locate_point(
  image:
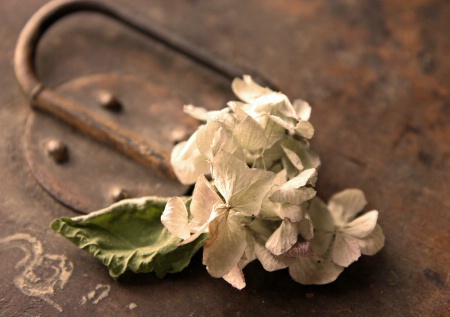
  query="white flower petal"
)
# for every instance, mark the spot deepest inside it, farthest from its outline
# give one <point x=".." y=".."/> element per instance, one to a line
<point x="294" y="213"/>
<point x="308" y="176"/>
<point x="345" y="250"/>
<point x="292" y="195"/>
<point x="283" y="238"/>
<point x="314" y="270"/>
<point x="293" y="158"/>
<point x="303" y="109"/>
<point x="362" y="225"/>
<point x="247" y="90"/>
<point x="187" y="162"/>
<point x="373" y="242"/>
<point x="235" y="277"/>
<point x="304" y="129"/>
<point x="175" y="218"/>
<point x="308" y="158"/>
<point x="346" y="204"/>
<point x="198" y="113"/>
<point x="286" y="125"/>
<point x="203" y="200"/>
<point x="241" y="187"/>
<point x="249" y="134"/>
<point x="269" y="261"/>
<point x="210" y="139"/>
<point x="226" y="244"/>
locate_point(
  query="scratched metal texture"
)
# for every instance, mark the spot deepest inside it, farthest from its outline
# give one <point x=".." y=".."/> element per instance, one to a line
<point x="377" y="76"/>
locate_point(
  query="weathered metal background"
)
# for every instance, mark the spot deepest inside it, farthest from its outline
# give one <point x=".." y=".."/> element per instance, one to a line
<point x="377" y="75"/>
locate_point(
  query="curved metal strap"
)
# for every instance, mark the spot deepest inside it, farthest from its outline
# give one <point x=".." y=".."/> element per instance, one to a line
<point x="45" y="99"/>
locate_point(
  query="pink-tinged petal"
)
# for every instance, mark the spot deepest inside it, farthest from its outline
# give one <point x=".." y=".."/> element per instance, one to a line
<point x="225" y="246"/>
<point x="345" y="205"/>
<point x="269" y="261"/>
<point x="175" y="218"/>
<point x="247" y="90"/>
<point x="300" y="248"/>
<point x="235" y="277"/>
<point x="345" y="250"/>
<point x="283" y="238"/>
<point x="203" y="200"/>
<point x="363" y="225"/>
<point x="373" y="242"/>
<point x="314" y="270"/>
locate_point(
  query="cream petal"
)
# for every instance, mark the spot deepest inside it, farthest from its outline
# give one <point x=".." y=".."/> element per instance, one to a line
<point x="305" y="129"/>
<point x="373" y="243"/>
<point x="249" y="134"/>
<point x="346" y="204"/>
<point x="302" y="109"/>
<point x="175" y="218"/>
<point x="363" y="225"/>
<point x="286" y="125"/>
<point x="292" y="195"/>
<point x="345" y="250"/>
<point x="235" y="277"/>
<point x="294" y="213"/>
<point x="203" y="200"/>
<point x="247" y="90"/>
<point x="308" y="158"/>
<point x="283" y="238"/>
<point x="314" y="270"/>
<point x="187" y="162"/>
<point x="269" y="261"/>
<point x="241" y="187"/>
<point x="211" y="138"/>
<point x="198" y="113"/>
<point x="307" y="176"/>
<point x="226" y="245"/>
<point x="293" y="158"/>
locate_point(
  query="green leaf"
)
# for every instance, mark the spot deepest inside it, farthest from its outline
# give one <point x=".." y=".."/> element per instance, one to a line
<point x="129" y="235"/>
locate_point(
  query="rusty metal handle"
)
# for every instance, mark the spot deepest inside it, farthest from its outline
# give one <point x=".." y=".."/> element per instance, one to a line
<point x="43" y="98"/>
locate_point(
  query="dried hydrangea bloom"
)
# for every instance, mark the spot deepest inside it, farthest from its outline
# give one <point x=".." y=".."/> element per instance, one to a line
<point x="221" y="209"/>
<point x="340" y="237"/>
<point x="261" y="201"/>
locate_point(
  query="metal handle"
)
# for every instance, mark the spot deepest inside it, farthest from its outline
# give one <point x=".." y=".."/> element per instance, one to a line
<point x="43" y="98"/>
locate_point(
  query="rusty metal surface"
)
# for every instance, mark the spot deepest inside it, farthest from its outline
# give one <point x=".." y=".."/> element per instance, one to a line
<point x="148" y="110"/>
<point x="377" y="74"/>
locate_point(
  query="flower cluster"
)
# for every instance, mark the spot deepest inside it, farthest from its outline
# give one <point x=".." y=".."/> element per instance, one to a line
<point x="254" y="175"/>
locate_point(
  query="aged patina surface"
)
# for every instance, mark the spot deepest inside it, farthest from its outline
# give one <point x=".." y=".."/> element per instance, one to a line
<point x="377" y="75"/>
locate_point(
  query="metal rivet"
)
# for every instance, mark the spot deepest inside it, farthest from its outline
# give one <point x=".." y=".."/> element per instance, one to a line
<point x="119" y="194"/>
<point x="109" y="101"/>
<point x="58" y="151"/>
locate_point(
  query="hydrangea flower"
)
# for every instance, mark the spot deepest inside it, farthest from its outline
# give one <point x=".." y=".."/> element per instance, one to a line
<point x="254" y="175"/>
<point x="340" y="237"/>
